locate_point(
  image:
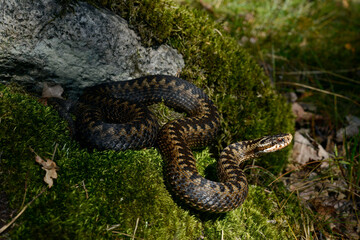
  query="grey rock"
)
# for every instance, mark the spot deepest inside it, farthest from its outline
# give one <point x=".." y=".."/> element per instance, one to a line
<point x="82" y="48"/>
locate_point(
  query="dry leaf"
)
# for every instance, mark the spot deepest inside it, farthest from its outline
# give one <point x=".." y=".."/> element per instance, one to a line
<point x="52" y="91"/>
<point x="325" y="212"/>
<point x="50" y="167"/>
<point x="300" y="113"/>
<point x="304" y="151"/>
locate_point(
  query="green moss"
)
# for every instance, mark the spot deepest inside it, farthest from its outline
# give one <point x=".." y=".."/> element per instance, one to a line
<point x="249" y="222"/>
<point x="101" y="194"/>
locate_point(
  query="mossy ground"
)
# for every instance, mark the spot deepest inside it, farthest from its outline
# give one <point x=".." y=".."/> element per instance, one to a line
<point x="101" y="194"/>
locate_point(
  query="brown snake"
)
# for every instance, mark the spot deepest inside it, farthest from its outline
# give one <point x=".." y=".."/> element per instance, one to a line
<point x="112" y="116"/>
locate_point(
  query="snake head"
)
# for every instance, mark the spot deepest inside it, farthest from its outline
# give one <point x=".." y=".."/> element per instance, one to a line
<point x="273" y="143"/>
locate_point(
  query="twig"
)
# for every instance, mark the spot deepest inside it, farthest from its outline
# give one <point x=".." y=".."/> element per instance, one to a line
<point x="52" y="157"/>
<point x="288" y="222"/>
<point x="22" y="211"/>
<point x="33" y="151"/>
<point x="24" y="198"/>
<point x="112" y="227"/>
<point x="86" y="192"/>
<point x="128" y="235"/>
<point x="125" y="234"/>
<point x="136" y="226"/>
<point x="295" y="169"/>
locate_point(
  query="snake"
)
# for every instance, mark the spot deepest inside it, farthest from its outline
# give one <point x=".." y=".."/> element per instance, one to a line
<point x="115" y="115"/>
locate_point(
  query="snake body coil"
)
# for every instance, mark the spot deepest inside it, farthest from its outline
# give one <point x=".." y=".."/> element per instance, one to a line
<point x="133" y="126"/>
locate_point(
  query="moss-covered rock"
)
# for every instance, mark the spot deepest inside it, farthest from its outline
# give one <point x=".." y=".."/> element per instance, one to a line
<point x="107" y="194"/>
<point x="214" y="61"/>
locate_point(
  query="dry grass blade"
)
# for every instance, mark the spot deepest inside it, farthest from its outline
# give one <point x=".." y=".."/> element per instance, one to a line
<point x="86" y="192"/>
<point x="295" y="169"/>
<point x="319" y="90"/>
<point x="132" y="236"/>
<point x="127" y="235"/>
<point x="325" y="72"/>
<point x="136" y="226"/>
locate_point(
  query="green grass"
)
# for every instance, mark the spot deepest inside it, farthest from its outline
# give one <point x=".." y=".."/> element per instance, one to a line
<point x="349" y="165"/>
<point x="106" y="194"/>
<point x="311" y="42"/>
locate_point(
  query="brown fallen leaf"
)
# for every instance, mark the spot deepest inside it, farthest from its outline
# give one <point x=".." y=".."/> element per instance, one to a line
<point x="49" y="166"/>
<point x="325" y="212"/>
<point x="52" y="91"/>
<point x="304" y="151"/>
<point x="301" y="114"/>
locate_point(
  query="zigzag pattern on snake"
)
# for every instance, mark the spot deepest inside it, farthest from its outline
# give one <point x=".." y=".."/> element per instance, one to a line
<point x="113" y="116"/>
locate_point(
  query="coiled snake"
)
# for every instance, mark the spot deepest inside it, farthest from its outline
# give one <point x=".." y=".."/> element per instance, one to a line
<point x="112" y="116"/>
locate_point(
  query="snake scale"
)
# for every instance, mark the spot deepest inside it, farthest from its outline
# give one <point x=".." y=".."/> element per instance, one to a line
<point x="114" y="116"/>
